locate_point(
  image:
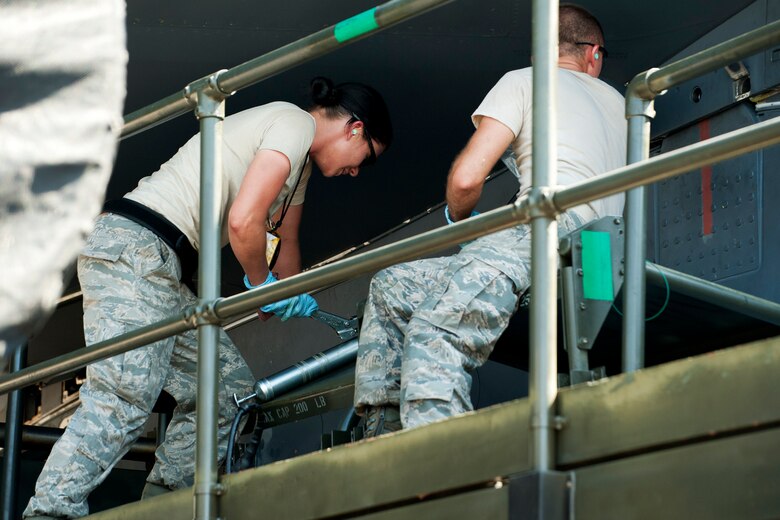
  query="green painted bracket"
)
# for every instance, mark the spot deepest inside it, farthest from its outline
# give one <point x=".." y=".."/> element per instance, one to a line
<point x="597" y="266"/>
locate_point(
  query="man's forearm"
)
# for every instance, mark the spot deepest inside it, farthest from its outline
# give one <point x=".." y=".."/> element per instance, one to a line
<point x="464" y="185"/>
<point x="462" y="203"/>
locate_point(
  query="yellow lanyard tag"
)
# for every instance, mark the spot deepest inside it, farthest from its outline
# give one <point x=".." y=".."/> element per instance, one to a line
<point x="272" y="245"/>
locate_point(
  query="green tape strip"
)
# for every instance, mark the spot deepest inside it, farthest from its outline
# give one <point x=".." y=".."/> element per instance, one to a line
<point x="597" y="265"/>
<point x="355" y="26"/>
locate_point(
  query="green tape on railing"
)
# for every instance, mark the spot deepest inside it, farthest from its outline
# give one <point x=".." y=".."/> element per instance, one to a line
<point x="597" y="265"/>
<point x="355" y="26"/>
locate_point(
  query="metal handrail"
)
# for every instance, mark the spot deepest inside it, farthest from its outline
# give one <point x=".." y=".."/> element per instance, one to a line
<point x="284" y="58"/>
<point x="658" y="168"/>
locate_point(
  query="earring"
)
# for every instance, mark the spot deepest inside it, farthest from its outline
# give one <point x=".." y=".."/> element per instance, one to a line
<point x="596" y="56"/>
<point x="354" y="131"/>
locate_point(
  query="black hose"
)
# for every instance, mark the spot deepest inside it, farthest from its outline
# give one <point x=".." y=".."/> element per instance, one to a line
<point x="250" y="451"/>
<point x="243" y="410"/>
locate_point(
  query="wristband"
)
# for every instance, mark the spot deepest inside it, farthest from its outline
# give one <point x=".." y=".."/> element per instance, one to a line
<point x="449" y="217"/>
<point x="447" y="214"/>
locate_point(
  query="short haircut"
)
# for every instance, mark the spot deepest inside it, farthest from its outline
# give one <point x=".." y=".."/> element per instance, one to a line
<point x="577" y="24"/>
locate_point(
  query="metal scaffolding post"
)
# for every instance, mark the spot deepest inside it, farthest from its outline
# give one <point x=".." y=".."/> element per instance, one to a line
<point x="13" y="441"/>
<point x="544" y="232"/>
<point x="211" y="113"/>
<point x="639" y="113"/>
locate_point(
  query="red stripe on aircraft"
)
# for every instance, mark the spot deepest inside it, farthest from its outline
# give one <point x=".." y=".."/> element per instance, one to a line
<point x="706" y="184"/>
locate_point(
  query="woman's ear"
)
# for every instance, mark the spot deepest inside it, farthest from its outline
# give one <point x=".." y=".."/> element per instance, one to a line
<point x="355" y="128"/>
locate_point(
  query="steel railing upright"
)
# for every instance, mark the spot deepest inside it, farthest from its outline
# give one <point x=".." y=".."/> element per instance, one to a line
<point x="12" y="448"/>
<point x="211" y="114"/>
<point x="543" y="347"/>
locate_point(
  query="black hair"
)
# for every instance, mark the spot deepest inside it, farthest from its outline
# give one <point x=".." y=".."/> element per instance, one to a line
<point x="577" y="24"/>
<point x="355" y="100"/>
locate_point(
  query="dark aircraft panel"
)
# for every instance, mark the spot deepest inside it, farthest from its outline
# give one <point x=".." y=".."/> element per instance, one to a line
<point x="709" y="221"/>
<point x="717" y="223"/>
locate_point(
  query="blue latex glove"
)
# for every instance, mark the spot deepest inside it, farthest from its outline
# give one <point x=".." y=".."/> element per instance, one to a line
<point x="450" y="221"/>
<point x="300" y="306"/>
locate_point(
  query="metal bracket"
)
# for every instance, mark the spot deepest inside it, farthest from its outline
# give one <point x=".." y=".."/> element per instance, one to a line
<point x="206" y="96"/>
<point x="583" y="317"/>
<point x="541" y="203"/>
<point x="522" y="209"/>
<point x="560" y="422"/>
<point x="207" y="488"/>
<point x="740" y="72"/>
<point x="741" y="80"/>
<point x="202" y="314"/>
<point x="639" y="87"/>
<point x="206" y="314"/>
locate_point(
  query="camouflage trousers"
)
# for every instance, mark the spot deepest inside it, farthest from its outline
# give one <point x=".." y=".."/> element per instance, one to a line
<point x="62" y="67"/>
<point x="428" y="324"/>
<point x="130" y="278"/>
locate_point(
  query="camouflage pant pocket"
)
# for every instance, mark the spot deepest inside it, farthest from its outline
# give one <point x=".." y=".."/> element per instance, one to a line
<point x="439" y="390"/>
<point x="109" y="252"/>
<point x="447" y="311"/>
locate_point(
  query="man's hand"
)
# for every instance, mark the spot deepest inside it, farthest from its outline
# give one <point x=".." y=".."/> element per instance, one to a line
<point x="450" y="221"/>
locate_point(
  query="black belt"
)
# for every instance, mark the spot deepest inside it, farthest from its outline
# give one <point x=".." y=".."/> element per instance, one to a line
<point x="163" y="228"/>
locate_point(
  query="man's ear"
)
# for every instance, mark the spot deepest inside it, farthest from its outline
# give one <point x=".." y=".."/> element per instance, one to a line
<point x="593" y="60"/>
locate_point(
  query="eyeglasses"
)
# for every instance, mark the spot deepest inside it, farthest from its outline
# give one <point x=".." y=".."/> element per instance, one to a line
<point x="371" y="159"/>
<point x="601" y="48"/>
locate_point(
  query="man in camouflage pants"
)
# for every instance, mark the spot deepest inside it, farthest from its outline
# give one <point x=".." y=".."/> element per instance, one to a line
<point x="428" y="324"/>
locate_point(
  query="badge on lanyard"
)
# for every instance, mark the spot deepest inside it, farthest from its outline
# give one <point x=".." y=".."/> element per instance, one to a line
<point x="272" y="245"/>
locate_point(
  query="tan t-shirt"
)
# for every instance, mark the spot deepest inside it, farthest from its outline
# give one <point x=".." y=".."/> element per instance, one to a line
<point x="174" y="189"/>
<point x="591" y="129"/>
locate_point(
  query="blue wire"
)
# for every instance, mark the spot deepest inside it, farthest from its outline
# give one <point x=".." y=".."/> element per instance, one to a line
<point x="663" y="307"/>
